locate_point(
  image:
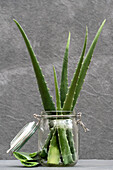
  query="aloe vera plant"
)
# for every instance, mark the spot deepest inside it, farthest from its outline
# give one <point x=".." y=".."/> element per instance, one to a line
<point x="59" y="146"/>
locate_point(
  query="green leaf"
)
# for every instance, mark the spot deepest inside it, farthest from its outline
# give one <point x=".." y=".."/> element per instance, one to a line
<point x="33" y="154"/>
<point x="26" y="159"/>
<point x="85" y="65"/>
<point x="29" y="164"/>
<point x="58" y="102"/>
<point x="53" y="153"/>
<point x="44" y="91"/>
<point x="69" y="98"/>
<point x="64" y="77"/>
<point x="45" y="148"/>
<point x="64" y="146"/>
<point x="22" y="156"/>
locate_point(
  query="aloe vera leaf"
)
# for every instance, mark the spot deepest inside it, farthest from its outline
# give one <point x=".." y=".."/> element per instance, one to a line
<point x="25" y="159"/>
<point x="33" y="154"/>
<point x="64" y="77"/>
<point x="53" y="153"/>
<point x="44" y="151"/>
<point x="44" y="91"/>
<point x="85" y="65"/>
<point x="64" y="146"/>
<point x="69" y="131"/>
<point x="69" y="98"/>
<point x="30" y="164"/>
<point x="58" y="102"/>
<point x="22" y="156"/>
<point x="71" y="142"/>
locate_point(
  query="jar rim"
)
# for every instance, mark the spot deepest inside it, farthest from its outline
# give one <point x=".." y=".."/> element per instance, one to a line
<point x="45" y="115"/>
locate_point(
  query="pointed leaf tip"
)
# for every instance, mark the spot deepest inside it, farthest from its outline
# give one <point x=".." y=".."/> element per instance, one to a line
<point x="64" y="74"/>
<point x="104" y="21"/>
<point x="15" y="21"/>
<point x="69" y="35"/>
<point x="86" y="30"/>
<point x="53" y="68"/>
<point x="68" y="42"/>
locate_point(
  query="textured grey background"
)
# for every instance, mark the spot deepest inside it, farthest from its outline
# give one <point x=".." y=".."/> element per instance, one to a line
<point x="47" y="24"/>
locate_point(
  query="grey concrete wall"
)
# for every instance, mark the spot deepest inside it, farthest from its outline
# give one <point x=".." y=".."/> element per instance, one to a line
<point x="47" y="24"/>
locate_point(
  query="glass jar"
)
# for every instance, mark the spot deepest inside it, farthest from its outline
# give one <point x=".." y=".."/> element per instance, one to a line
<point x="58" y="138"/>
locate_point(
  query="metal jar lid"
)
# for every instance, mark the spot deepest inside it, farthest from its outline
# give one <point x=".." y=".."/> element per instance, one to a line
<point x="23" y="136"/>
